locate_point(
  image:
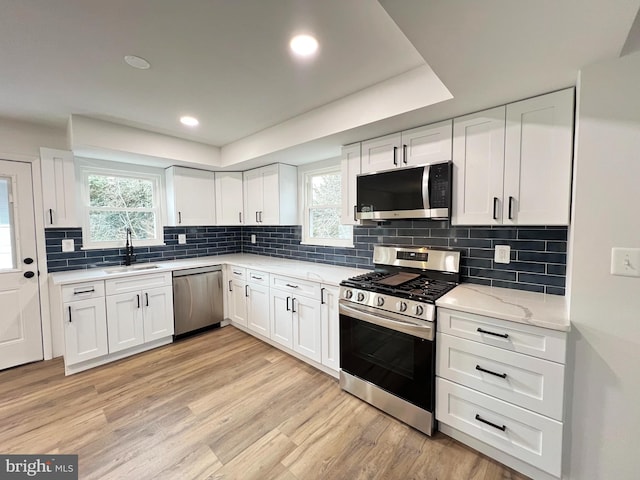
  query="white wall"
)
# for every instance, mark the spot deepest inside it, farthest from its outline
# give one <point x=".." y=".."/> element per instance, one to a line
<point x="23" y="139"/>
<point x="602" y="435"/>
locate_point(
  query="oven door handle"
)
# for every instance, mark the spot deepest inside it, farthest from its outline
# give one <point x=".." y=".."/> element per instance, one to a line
<point x="374" y="316"/>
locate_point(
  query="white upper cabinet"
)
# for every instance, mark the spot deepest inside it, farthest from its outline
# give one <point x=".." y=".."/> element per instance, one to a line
<point x="271" y="195"/>
<point x="538" y="153"/>
<point x="418" y="146"/>
<point x="229" y="198"/>
<point x="478" y="165"/>
<point x="428" y="144"/>
<point x="512" y="164"/>
<point x="58" y="188"/>
<point x="350" y="166"/>
<point x="190" y="197"/>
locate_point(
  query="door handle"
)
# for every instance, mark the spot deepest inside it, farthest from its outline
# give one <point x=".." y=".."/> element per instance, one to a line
<point x="28" y="260"/>
<point x="29" y="274"/>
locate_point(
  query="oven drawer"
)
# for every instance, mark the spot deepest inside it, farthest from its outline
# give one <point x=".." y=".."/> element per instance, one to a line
<point x="529" y="339"/>
<point x="532" y="438"/>
<point x="521" y="379"/>
<point x="297" y="286"/>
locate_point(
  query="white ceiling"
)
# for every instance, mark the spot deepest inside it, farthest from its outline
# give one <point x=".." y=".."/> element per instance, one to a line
<point x="226" y="61"/>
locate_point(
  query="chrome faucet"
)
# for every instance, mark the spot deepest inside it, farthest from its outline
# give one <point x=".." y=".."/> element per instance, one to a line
<point x="129" y="257"/>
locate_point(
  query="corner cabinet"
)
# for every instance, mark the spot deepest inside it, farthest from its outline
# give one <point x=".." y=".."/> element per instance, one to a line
<point x="190" y="197"/>
<point x="350" y="169"/>
<point x="271" y="195"/>
<point x="418" y="146"/>
<point x="512" y="164"/>
<point x="229" y="198"/>
<point x="58" y="188"/>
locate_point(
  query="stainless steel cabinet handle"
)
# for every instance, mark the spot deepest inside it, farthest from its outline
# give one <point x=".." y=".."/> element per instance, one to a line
<point x="355" y="210"/>
<point x="246" y="290"/>
<point x="260" y="216"/>
<point x="288" y="298"/>
<point x="230" y="289"/>
<point x="257" y="221"/>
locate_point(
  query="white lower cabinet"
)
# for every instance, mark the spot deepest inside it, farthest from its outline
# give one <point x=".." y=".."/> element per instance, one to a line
<point x="500" y="389"/>
<point x="330" y="326"/>
<point x="236" y="298"/>
<point x="306" y="327"/>
<point x="281" y="318"/>
<point x="257" y="297"/>
<point x="85" y="330"/>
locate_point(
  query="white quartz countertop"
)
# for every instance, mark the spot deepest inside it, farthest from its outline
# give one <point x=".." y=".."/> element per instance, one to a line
<point x="547" y="311"/>
<point x="317" y="272"/>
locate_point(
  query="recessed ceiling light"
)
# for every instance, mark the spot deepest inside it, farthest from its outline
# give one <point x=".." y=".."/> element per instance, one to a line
<point x="303" y="45"/>
<point x="189" y="121"/>
<point x="137" y="62"/>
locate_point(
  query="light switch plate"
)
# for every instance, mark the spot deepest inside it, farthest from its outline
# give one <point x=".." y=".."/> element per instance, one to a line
<point x="253" y="238"/>
<point x="625" y="262"/>
<point x="67" y="245"/>
<point x="502" y="254"/>
<point x="182" y="238"/>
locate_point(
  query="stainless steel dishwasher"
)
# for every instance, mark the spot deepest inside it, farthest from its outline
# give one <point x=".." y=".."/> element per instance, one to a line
<point x="197" y="298"/>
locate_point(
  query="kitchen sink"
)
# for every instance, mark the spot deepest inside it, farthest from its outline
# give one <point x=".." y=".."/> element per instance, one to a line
<point x="130" y="268"/>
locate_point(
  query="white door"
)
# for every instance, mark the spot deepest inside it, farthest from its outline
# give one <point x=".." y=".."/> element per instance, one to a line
<point x="158" y="313"/>
<point x="478" y="167"/>
<point x="428" y="144"/>
<point x="20" y="323"/>
<point x="330" y="327"/>
<point x="307" y="327"/>
<point x="381" y="153"/>
<point x="124" y="321"/>
<point x="538" y="157"/>
<point x="281" y="320"/>
<point x="258" y="309"/>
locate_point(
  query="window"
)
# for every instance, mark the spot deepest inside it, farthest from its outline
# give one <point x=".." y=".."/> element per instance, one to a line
<point x="322" y="209"/>
<point x="115" y="199"/>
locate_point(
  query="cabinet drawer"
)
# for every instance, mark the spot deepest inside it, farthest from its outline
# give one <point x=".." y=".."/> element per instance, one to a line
<point x="526" y="381"/>
<point x="532" y="438"/>
<point x="138" y="282"/>
<point x="294" y="285"/>
<point x="237" y="273"/>
<point x="82" y="291"/>
<point x="529" y="339"/>
<point x="258" y="277"/>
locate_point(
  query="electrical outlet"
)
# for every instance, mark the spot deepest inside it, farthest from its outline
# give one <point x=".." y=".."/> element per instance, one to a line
<point x="67" y="245"/>
<point x="182" y="238"/>
<point x="502" y="254"/>
<point x="253" y="239"/>
<point x="625" y="262"/>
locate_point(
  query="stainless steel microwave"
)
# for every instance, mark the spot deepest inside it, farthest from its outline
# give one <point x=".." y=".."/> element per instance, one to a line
<point x="410" y="192"/>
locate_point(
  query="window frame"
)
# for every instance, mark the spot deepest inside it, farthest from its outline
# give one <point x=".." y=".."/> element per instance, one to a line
<point x="305" y="174"/>
<point x="85" y="167"/>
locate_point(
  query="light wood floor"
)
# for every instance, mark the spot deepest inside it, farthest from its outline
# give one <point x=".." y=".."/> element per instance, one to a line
<point x="221" y="405"/>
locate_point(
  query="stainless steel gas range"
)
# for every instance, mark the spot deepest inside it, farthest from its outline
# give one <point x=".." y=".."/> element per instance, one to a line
<point x="387" y="330"/>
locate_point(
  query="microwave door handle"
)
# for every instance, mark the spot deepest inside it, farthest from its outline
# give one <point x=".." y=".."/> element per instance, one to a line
<point x="426" y="188"/>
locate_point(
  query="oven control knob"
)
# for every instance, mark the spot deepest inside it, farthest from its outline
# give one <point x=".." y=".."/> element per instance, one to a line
<point x="348" y="294"/>
<point x="401" y="306"/>
<point x="380" y="301"/>
<point x="418" y="310"/>
<point x="360" y="297"/>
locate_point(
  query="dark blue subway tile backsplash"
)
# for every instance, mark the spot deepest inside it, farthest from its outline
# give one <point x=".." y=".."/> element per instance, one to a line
<point x="538" y="254"/>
